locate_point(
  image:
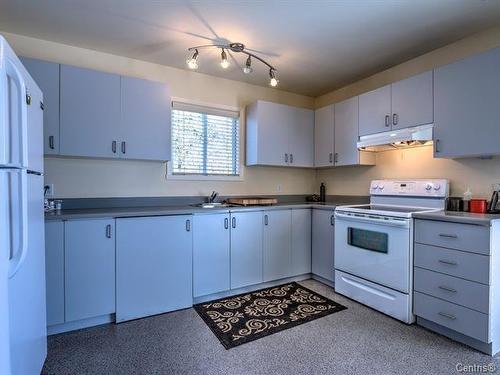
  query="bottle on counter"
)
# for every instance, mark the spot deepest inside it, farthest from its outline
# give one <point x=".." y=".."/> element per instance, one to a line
<point x="467" y="198"/>
<point x="322" y="192"/>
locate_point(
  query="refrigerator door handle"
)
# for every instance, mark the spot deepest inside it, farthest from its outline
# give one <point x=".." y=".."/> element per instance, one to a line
<point x="19" y="256"/>
<point x="12" y="71"/>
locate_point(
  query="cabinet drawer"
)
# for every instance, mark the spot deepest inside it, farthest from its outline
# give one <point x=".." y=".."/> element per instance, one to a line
<point x="473" y="267"/>
<point x="461" y="319"/>
<point x="466" y="237"/>
<point x="462" y="292"/>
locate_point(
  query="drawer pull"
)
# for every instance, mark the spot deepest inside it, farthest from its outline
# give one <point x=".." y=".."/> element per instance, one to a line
<point x="448" y="235"/>
<point x="451" y="290"/>
<point x="449" y="316"/>
<point x="447" y="262"/>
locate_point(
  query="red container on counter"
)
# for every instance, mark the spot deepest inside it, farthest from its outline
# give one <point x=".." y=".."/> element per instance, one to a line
<point x="478" y="206"/>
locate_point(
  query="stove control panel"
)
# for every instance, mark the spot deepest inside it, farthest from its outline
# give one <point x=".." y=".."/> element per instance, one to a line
<point x="417" y="188"/>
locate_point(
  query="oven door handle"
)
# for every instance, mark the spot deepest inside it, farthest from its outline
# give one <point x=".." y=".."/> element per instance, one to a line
<point x="401" y="223"/>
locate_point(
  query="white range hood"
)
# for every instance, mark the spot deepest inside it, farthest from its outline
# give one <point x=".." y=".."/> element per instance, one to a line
<point x="401" y="138"/>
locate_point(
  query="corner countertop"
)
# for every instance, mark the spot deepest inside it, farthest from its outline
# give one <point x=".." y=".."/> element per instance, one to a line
<point x="458" y="217"/>
<point x="175" y="210"/>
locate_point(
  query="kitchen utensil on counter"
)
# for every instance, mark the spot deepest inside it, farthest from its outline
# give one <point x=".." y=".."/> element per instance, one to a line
<point x="454" y="204"/>
<point x="322" y="192"/>
<point x="494" y="205"/>
<point x="478" y="206"/>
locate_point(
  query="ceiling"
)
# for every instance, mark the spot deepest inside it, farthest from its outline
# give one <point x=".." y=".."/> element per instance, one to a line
<point x="316" y="45"/>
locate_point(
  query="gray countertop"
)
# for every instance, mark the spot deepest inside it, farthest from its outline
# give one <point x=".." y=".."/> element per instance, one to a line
<point x="458" y="217"/>
<point x="174" y="210"/>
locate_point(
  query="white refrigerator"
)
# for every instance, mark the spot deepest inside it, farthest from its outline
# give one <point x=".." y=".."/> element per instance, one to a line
<point x="23" y="333"/>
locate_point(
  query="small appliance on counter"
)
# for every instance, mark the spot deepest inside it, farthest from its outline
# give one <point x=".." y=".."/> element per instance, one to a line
<point x="454" y="204"/>
<point x="494" y="205"/>
<point x="478" y="206"/>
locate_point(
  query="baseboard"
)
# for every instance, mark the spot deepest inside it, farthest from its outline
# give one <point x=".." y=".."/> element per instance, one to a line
<point x="79" y="324"/>
<point x="323" y="280"/>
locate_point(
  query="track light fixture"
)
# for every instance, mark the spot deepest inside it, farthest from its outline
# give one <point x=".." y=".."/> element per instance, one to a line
<point x="192" y="62"/>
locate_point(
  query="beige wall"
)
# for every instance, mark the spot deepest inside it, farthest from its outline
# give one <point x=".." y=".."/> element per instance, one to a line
<point x="416" y="163"/>
<point x="105" y="178"/>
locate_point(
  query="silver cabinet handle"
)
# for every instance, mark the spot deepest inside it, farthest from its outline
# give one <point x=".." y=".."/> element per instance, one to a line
<point x="51" y="142"/>
<point x="448" y="235"/>
<point x="332" y="220"/>
<point x="387" y="121"/>
<point x="188" y="225"/>
<point x="449" y="316"/>
<point x="436" y="146"/>
<point x="286" y="158"/>
<point x="226" y="223"/>
<point x="124" y="150"/>
<point x="451" y="290"/>
<point x="233" y="222"/>
<point x="113" y="147"/>
<point x="336" y="157"/>
<point x="291" y="158"/>
<point x="394" y="119"/>
<point x="450" y="263"/>
<point x="330" y="157"/>
<point x="108" y="231"/>
<point x="266" y="220"/>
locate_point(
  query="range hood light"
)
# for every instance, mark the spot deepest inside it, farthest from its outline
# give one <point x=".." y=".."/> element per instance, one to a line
<point x="397" y="139"/>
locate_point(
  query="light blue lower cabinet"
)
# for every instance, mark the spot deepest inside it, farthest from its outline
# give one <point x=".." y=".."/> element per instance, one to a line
<point x="277" y="244"/>
<point x="301" y="242"/>
<point x="54" y="271"/>
<point x="153" y="265"/>
<point x="246" y="249"/>
<point x="89" y="268"/>
<point x="323" y="244"/>
<point x="211" y="254"/>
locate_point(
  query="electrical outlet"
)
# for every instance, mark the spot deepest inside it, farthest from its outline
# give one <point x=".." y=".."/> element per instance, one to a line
<point x="49" y="190"/>
<point x="278" y="188"/>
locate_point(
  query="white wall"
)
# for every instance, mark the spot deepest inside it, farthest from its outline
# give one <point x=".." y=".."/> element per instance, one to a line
<point x="106" y="178"/>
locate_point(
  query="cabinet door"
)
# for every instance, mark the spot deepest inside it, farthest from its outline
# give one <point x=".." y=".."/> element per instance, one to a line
<point x="46" y="75"/>
<point x="301" y="242"/>
<point x="89" y="268"/>
<point x="346" y="132"/>
<point x="54" y="271"/>
<point x="276" y="248"/>
<point x="211" y="251"/>
<point x="145" y="120"/>
<point x="322" y="244"/>
<point x="324" y="136"/>
<point x="301" y="137"/>
<point x="466" y="107"/>
<point x="246" y="249"/>
<point x="153" y="265"/>
<point x="272" y="133"/>
<point x="90" y="112"/>
<point x="374" y="111"/>
<point x="412" y="101"/>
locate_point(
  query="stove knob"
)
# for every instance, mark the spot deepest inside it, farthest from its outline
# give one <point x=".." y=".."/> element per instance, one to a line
<point x="381" y="187"/>
<point x="428" y="187"/>
<point x="374" y="186"/>
<point x="437" y="187"/>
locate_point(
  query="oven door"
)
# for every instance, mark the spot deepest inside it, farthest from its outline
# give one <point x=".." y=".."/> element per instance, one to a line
<point x="375" y="248"/>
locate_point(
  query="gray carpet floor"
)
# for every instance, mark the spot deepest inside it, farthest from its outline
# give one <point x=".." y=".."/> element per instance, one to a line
<point x="358" y="340"/>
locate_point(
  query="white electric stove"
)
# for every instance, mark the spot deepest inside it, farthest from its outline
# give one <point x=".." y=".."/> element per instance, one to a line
<point x="374" y="243"/>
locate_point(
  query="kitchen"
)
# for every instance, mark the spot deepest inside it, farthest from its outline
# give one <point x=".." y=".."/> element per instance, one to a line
<point x="135" y="141"/>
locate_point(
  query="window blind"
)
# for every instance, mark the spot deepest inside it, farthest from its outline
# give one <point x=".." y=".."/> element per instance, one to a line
<point x="205" y="141"/>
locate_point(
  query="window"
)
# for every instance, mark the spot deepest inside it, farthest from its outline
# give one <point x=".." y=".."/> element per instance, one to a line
<point x="205" y="141"/>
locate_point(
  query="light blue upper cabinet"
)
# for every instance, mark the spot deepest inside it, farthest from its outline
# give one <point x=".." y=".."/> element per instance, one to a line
<point x="211" y="254"/>
<point x="346" y="136"/>
<point x="54" y="271"/>
<point x="246" y="249"/>
<point x="277" y="244"/>
<point x="323" y="244"/>
<point x="90" y="112"/>
<point x="412" y="101"/>
<point x="145" y="120"/>
<point x="375" y="111"/>
<point x="301" y="242"/>
<point x="154" y="261"/>
<point x="324" y="136"/>
<point x="89" y="268"/>
<point x="46" y="75"/>
<point x="467" y="107"/>
<point x="279" y="135"/>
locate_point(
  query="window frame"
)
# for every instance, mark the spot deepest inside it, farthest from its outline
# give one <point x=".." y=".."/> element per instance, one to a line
<point x="202" y="177"/>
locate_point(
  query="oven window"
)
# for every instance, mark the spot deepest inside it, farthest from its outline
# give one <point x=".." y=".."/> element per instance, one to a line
<point x="368" y="239"/>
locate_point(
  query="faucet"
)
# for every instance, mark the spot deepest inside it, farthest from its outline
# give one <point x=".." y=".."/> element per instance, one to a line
<point x="212" y="197"/>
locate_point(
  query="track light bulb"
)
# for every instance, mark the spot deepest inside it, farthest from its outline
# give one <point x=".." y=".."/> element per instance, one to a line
<point x="272" y="75"/>
<point x="192" y="63"/>
<point x="224" y="62"/>
<point x="248" y="66"/>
